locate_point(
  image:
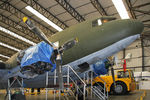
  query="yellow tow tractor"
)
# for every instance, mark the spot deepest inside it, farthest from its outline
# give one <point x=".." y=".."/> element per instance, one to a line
<point x="124" y="81"/>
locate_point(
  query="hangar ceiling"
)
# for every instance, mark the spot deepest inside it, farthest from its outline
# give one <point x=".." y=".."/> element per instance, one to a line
<point x="64" y="13"/>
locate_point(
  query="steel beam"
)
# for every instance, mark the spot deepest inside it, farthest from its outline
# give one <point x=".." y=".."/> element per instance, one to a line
<point x="147" y="25"/>
<point x="9" y="40"/>
<point x="71" y="10"/>
<point x="25" y="31"/>
<point x="45" y="12"/>
<point x="142" y="5"/>
<point x="131" y="9"/>
<point x="6" y="51"/>
<point x="19" y="14"/>
<point x="144" y="12"/>
<point x="3" y="59"/>
<point x="99" y="7"/>
<point x="148" y="20"/>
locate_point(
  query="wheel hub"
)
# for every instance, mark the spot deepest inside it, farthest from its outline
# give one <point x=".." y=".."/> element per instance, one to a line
<point x="118" y="88"/>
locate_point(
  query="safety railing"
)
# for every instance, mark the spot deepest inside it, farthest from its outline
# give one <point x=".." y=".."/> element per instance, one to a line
<point x="79" y="84"/>
<point x="100" y="91"/>
<point x="70" y="76"/>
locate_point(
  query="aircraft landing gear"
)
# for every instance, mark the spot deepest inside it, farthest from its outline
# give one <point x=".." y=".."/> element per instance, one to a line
<point x="19" y="94"/>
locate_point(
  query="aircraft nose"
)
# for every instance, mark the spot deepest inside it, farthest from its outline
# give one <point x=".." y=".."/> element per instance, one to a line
<point x="135" y="26"/>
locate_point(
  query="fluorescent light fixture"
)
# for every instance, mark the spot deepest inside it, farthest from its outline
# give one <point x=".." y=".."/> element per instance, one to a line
<point x="16" y="36"/>
<point x="10" y="47"/>
<point x="29" y="8"/>
<point x="4" y="56"/>
<point x="121" y="9"/>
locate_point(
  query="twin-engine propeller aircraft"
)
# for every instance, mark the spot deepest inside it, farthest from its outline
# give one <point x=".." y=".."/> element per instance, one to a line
<point x="81" y="44"/>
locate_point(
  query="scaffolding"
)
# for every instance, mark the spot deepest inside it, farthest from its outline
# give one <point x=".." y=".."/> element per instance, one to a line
<point x="84" y="86"/>
<point x="11" y="82"/>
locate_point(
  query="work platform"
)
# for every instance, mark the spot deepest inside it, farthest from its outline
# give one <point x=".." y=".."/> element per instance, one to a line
<point x="131" y="96"/>
<point x="82" y="88"/>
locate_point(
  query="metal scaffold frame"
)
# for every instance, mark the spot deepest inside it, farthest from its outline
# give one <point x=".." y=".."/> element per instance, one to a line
<point x="80" y="85"/>
<point x="10" y="85"/>
<point x="69" y="79"/>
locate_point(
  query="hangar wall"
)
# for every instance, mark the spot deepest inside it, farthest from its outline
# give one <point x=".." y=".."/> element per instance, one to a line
<point x="139" y="61"/>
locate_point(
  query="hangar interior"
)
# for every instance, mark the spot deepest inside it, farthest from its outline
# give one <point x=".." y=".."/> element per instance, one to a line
<point x="66" y="13"/>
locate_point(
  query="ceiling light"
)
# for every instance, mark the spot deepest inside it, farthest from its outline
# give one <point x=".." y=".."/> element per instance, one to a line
<point x="16" y="36"/>
<point x="29" y="8"/>
<point x="121" y="9"/>
<point x="4" y="56"/>
<point x="10" y="47"/>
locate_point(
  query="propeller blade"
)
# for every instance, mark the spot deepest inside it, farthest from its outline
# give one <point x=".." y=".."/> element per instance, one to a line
<point x="37" y="31"/>
<point x="57" y="53"/>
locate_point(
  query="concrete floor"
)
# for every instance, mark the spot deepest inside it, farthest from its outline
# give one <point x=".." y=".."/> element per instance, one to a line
<point x="130" y="96"/>
<point x="147" y="97"/>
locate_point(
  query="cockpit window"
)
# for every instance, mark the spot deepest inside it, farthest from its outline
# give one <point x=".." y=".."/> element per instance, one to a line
<point x="99" y="22"/>
<point x="96" y="22"/>
<point x="122" y="74"/>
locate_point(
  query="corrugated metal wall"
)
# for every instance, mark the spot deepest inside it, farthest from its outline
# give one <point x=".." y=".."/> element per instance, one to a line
<point x="135" y="62"/>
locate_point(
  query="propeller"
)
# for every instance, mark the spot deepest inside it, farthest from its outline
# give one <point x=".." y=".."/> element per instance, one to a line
<point x="57" y="55"/>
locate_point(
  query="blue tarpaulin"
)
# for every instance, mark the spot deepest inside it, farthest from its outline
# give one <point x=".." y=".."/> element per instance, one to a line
<point x="99" y="67"/>
<point x="40" y="52"/>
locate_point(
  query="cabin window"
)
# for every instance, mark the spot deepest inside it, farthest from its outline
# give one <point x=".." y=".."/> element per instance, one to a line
<point x="105" y="20"/>
<point x="101" y="21"/>
<point x="97" y="22"/>
<point x="122" y="74"/>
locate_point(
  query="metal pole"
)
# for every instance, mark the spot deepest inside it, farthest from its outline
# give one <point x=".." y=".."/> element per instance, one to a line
<point x="91" y="83"/>
<point x="124" y="53"/>
<point x="9" y="95"/>
<point x="59" y="95"/>
<point x="22" y="88"/>
<point x="142" y="42"/>
<point x="54" y="84"/>
<point x="77" y="89"/>
<point x="104" y="90"/>
<point x="87" y="81"/>
<point x="84" y="77"/>
<point x="84" y="92"/>
<point x="68" y="79"/>
<point x="46" y="84"/>
<point x="107" y="93"/>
